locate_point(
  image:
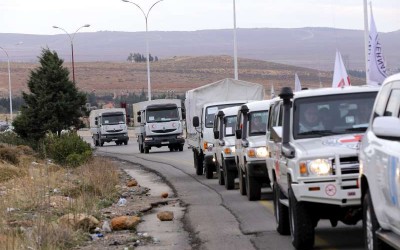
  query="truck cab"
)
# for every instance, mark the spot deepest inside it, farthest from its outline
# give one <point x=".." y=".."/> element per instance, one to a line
<point x="313" y="142"/>
<point x="251" y="127"/>
<point x="380" y="169"/>
<point x="224" y="146"/>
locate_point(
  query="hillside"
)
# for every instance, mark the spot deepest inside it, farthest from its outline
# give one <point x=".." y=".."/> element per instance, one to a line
<point x="178" y="74"/>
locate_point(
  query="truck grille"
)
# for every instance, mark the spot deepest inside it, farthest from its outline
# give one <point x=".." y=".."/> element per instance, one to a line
<point x="163" y="130"/>
<point x="349" y="165"/>
<point x="114" y="130"/>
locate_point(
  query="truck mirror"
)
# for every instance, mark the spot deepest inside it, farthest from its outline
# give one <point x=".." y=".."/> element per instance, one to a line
<point x="139" y="119"/>
<point x="128" y="119"/>
<point x="238" y="134"/>
<point x="196" y="121"/>
<point x="138" y="113"/>
<point x="96" y="122"/>
<point x="276" y="134"/>
<point x="216" y="134"/>
<point x="183" y="114"/>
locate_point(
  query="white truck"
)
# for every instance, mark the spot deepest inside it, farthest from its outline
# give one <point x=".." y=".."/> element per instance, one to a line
<point x="224" y="146"/>
<point x="380" y="170"/>
<point x="201" y="106"/>
<point x="250" y="147"/>
<point x="107" y="125"/>
<point x="158" y="123"/>
<point x="313" y="143"/>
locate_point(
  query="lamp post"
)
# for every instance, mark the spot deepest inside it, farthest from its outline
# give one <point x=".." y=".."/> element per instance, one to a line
<point x="9" y="82"/>
<point x="146" y="16"/>
<point x="71" y="38"/>
<point x="235" y="42"/>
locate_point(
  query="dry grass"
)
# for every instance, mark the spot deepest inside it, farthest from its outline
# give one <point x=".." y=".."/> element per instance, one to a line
<point x="34" y="194"/>
<point x="179" y="74"/>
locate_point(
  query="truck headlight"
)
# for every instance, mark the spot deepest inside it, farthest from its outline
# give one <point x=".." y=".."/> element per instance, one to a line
<point x="259" y="152"/>
<point x="208" y="146"/>
<point x="229" y="150"/>
<point x="318" y="167"/>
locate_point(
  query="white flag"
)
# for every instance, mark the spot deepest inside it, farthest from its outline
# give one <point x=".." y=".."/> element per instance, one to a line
<point x="272" y="91"/>
<point x="297" y="83"/>
<point x="340" y="77"/>
<point x="376" y="63"/>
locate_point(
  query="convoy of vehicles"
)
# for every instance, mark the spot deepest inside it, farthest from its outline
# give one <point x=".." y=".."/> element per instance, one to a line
<point x="201" y="106"/>
<point x="159" y="123"/>
<point x="380" y="169"/>
<point x="109" y="125"/>
<point x="251" y="150"/>
<point x="313" y="144"/>
<point x="224" y="146"/>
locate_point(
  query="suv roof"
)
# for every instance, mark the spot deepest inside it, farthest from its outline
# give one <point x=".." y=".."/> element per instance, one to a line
<point x="335" y="91"/>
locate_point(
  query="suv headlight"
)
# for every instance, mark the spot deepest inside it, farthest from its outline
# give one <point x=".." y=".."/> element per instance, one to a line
<point x="318" y="167"/>
<point x="229" y="150"/>
<point x="259" y="152"/>
<point x="208" y="146"/>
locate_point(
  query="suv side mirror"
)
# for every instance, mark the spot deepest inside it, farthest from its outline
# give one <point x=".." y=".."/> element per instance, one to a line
<point x="387" y="127"/>
<point x="276" y="134"/>
<point x="238" y="134"/>
<point x="139" y="119"/>
<point x="216" y="134"/>
<point x="196" y="121"/>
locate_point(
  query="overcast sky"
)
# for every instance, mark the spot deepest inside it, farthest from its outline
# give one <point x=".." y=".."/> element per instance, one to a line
<point x="38" y="16"/>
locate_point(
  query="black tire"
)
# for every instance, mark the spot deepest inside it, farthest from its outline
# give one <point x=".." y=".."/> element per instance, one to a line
<point x="126" y="142"/>
<point x="171" y="149"/>
<point x="242" y="182"/>
<point x="229" y="177"/>
<point x="180" y="147"/>
<point x="301" y="224"/>
<point x="253" y="188"/>
<point x="370" y="225"/>
<point x="220" y="173"/>
<point x="281" y="212"/>
<point x="198" y="163"/>
<point x="101" y="144"/>
<point x="209" y="172"/>
<point x="146" y="150"/>
<point x="141" y="148"/>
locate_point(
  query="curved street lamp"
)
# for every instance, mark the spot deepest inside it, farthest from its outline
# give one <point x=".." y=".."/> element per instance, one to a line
<point x="235" y="42"/>
<point x="71" y="38"/>
<point x="9" y="82"/>
<point x="146" y="16"/>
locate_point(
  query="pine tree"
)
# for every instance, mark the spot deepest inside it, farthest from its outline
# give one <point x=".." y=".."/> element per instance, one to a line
<point x="53" y="104"/>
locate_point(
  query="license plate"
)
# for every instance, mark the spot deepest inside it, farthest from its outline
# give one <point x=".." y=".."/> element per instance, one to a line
<point x="165" y="142"/>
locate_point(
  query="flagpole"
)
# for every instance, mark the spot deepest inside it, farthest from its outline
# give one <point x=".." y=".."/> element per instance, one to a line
<point x="366" y="38"/>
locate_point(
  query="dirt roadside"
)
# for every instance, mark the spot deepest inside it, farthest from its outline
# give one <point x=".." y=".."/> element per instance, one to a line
<point x="145" y="201"/>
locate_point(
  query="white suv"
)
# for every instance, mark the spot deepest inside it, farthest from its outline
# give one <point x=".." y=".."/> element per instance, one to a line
<point x="380" y="169"/>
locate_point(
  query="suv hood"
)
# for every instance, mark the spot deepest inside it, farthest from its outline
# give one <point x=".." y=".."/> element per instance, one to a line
<point x="347" y="144"/>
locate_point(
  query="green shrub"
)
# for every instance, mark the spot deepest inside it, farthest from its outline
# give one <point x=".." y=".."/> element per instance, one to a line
<point x="12" y="138"/>
<point x="67" y="149"/>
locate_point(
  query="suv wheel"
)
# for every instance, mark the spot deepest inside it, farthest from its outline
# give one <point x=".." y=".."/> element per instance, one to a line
<point x="242" y="182"/>
<point x="301" y="224"/>
<point x="198" y="163"/>
<point x="253" y="188"/>
<point x="209" y="172"/>
<point x="229" y="177"/>
<point x="220" y="173"/>
<point x="281" y="212"/>
<point x="370" y="225"/>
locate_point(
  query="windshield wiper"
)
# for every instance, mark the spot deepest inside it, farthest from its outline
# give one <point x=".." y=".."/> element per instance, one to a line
<point x="319" y="132"/>
<point x="359" y="129"/>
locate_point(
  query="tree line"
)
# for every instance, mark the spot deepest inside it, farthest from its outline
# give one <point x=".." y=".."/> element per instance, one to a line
<point x="138" y="58"/>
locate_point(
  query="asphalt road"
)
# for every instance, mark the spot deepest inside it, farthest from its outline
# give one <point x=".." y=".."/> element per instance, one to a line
<point x="222" y="219"/>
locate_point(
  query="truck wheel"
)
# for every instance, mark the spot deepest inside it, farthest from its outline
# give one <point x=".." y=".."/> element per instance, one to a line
<point x="370" y="225"/>
<point x="198" y="163"/>
<point x="125" y="142"/>
<point x="229" y="177"/>
<point x="171" y="149"/>
<point x="281" y="212"/>
<point x="253" y="188"/>
<point x="180" y="147"/>
<point x="220" y="173"/>
<point x="242" y="182"/>
<point x="209" y="172"/>
<point x="101" y="143"/>
<point x="146" y="150"/>
<point x="301" y="224"/>
<point x="141" y="149"/>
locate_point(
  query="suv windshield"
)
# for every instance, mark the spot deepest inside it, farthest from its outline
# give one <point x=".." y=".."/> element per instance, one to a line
<point x="230" y="124"/>
<point x="258" y="123"/>
<point x="113" y="119"/>
<point x="162" y="115"/>
<point x="212" y="110"/>
<point x="329" y="115"/>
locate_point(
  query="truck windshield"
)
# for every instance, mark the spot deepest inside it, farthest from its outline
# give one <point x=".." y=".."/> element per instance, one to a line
<point x="258" y="123"/>
<point x="162" y="115"/>
<point x="330" y="115"/>
<point x="230" y="124"/>
<point x="212" y="110"/>
<point x="113" y="119"/>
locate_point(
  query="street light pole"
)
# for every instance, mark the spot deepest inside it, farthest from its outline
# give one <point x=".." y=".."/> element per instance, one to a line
<point x="71" y="38"/>
<point x="235" y="42"/>
<point x="9" y="82"/>
<point x="146" y="16"/>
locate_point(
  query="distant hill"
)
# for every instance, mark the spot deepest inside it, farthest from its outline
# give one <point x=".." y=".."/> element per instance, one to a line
<point x="303" y="47"/>
<point x="177" y="75"/>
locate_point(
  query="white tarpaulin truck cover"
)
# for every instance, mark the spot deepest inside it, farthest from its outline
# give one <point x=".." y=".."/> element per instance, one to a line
<point x="223" y="90"/>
